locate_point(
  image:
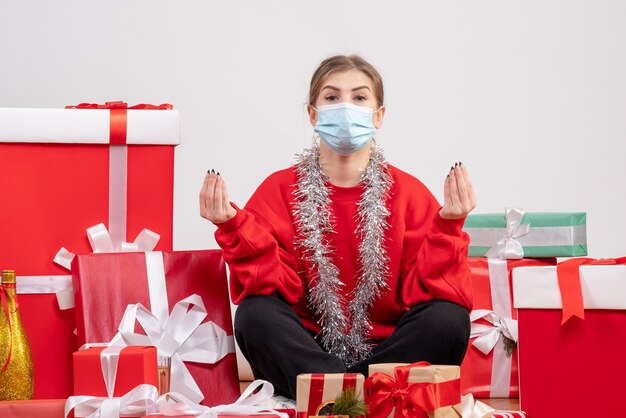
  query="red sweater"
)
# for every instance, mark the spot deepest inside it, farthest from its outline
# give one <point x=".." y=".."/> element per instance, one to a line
<point x="427" y="254"/>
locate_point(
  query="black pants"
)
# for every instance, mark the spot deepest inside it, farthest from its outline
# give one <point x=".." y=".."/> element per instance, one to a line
<point x="278" y="346"/>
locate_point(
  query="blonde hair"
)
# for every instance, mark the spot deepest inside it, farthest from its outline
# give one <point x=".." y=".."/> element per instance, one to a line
<point x="345" y="63"/>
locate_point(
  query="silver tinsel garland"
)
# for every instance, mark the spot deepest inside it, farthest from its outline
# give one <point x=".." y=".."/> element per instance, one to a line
<point x="313" y="218"/>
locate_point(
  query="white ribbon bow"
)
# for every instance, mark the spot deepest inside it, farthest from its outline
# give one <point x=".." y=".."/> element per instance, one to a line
<point x="181" y="336"/>
<point x="508" y="247"/>
<point x="249" y="403"/>
<point x="139" y="401"/>
<point x="487" y="336"/>
<point x="474" y="409"/>
<point x="101" y="242"/>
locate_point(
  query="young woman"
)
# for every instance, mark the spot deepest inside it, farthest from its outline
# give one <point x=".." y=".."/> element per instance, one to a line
<point x="343" y="260"/>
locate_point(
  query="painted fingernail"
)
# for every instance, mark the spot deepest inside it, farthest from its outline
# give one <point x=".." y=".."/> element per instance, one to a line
<point x="212" y="171"/>
<point x="208" y="171"/>
<point x="460" y="163"/>
<point x="451" y="168"/>
<point x="456" y="165"/>
<point x="448" y="176"/>
<point x="218" y="173"/>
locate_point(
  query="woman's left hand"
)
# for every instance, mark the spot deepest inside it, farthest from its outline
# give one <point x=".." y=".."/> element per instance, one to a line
<point x="458" y="192"/>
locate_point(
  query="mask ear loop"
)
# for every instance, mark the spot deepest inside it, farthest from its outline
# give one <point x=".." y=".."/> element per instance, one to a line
<point x="315" y="138"/>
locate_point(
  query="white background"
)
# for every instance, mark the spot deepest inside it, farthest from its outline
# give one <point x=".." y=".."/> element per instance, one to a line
<point x="530" y="95"/>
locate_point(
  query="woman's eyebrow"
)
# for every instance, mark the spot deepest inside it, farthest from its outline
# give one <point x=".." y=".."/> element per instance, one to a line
<point x="338" y="89"/>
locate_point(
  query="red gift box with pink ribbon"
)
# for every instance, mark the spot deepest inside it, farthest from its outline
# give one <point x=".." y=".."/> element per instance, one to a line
<point x="572" y="330"/>
<point x="490" y="368"/>
<point x="65" y="170"/>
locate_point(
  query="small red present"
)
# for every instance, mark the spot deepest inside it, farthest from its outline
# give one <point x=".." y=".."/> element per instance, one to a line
<point x="315" y="391"/>
<point x="62" y="172"/>
<point x="185" y="312"/>
<point x="131" y="367"/>
<point x="489" y="369"/>
<point x="567" y="361"/>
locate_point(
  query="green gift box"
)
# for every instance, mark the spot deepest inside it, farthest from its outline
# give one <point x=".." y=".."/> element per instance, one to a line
<point x="515" y="234"/>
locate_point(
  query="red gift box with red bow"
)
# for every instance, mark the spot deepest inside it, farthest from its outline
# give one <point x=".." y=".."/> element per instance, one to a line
<point x="572" y="330"/>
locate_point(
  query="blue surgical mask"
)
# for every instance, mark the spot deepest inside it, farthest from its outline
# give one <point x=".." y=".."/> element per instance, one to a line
<point x="345" y="128"/>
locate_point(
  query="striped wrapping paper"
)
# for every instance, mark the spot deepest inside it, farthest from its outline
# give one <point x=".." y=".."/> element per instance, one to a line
<point x="315" y="390"/>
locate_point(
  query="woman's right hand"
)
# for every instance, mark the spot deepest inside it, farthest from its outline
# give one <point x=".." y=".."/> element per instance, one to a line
<point x="214" y="203"/>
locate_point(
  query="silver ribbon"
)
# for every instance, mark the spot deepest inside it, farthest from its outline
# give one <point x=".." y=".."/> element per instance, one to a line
<point x="508" y="246"/>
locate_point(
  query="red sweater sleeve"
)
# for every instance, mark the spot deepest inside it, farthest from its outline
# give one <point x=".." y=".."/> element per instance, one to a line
<point x="437" y="266"/>
<point x="258" y="249"/>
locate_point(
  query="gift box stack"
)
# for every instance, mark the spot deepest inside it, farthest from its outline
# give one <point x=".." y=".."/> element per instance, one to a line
<point x="501" y="244"/>
<point x="109" y="170"/>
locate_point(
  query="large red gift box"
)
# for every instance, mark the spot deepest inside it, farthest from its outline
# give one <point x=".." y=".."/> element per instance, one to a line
<point x="105" y="284"/>
<point x="60" y="175"/>
<point x="136" y="365"/>
<point x="493" y="375"/>
<point x="576" y="368"/>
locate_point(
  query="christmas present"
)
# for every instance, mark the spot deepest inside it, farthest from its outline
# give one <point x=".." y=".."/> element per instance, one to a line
<point x="179" y="299"/>
<point x="40" y="408"/>
<point x="249" y="404"/>
<point x="315" y="393"/>
<point x="64" y="170"/>
<point x="413" y="390"/>
<point x="289" y="413"/>
<point x="114" y="381"/>
<point x="489" y="369"/>
<point x="516" y="234"/>
<point x="566" y="314"/>
<point x="134" y="365"/>
<point x="472" y="408"/>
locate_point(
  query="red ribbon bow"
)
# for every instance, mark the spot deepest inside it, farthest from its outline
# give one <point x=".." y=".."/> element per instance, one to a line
<point x="414" y="399"/>
<point x="121" y="105"/>
<point x="568" y="274"/>
<point x="4" y="295"/>
<point x="117" y="131"/>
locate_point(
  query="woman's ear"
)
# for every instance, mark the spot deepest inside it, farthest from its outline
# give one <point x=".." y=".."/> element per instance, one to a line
<point x="312" y="114"/>
<point x="377" y="118"/>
